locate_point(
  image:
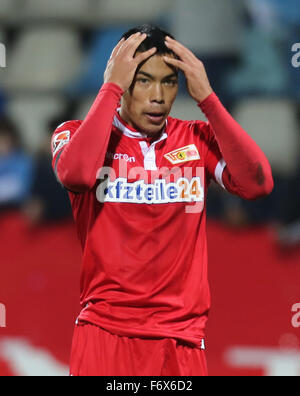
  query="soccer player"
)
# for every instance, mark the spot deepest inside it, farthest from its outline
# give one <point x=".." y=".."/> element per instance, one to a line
<point x="137" y="181"/>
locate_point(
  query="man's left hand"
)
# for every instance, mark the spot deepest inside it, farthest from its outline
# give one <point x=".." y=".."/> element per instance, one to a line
<point x="197" y="81"/>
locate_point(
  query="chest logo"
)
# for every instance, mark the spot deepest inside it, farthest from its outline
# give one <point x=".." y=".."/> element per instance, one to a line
<point x="184" y="154"/>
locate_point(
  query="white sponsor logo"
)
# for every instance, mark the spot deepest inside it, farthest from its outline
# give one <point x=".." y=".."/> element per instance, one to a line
<point x="164" y="185"/>
<point x="139" y="192"/>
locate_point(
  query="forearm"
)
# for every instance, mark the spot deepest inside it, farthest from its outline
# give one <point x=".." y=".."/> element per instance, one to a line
<point x="247" y="164"/>
<point x="80" y="160"/>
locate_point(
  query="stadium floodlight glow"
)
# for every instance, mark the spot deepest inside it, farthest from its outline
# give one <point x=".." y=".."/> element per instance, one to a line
<point x="2" y="55"/>
<point x="2" y="315"/>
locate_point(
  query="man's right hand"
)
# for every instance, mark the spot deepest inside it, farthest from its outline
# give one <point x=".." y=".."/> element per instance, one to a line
<point x="122" y="64"/>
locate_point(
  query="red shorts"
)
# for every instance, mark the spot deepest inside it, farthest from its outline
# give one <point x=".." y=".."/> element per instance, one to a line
<point x="96" y="352"/>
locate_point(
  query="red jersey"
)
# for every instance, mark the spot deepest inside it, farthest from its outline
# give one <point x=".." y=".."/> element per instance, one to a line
<point x="142" y="224"/>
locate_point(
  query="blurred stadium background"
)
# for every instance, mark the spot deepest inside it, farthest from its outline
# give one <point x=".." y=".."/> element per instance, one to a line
<point x="56" y="53"/>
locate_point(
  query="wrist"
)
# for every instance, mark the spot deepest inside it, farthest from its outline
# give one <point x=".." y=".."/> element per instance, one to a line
<point x="113" y="85"/>
<point x="210" y="105"/>
<point x="204" y="95"/>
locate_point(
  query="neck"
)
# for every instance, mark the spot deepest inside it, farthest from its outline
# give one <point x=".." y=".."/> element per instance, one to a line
<point x="153" y="136"/>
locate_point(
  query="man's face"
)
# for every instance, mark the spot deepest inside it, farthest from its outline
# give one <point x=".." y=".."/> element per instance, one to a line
<point x="147" y="104"/>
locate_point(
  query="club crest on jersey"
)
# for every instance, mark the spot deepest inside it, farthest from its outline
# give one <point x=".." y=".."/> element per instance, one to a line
<point x="184" y="154"/>
<point x="60" y="140"/>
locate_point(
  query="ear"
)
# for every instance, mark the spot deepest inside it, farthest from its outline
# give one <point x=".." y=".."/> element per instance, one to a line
<point x="125" y="98"/>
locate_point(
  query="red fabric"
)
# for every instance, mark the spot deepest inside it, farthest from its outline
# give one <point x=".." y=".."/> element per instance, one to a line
<point x="133" y="279"/>
<point x="248" y="172"/>
<point x="96" y="352"/>
<point x="39" y="283"/>
<point x="254" y="285"/>
<point x="79" y="161"/>
<point x="144" y="259"/>
<point x="134" y="282"/>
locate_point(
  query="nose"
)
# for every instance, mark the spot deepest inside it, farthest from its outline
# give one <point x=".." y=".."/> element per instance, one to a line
<point x="157" y="94"/>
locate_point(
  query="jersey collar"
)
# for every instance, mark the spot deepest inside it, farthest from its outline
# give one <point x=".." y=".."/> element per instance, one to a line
<point x="132" y="133"/>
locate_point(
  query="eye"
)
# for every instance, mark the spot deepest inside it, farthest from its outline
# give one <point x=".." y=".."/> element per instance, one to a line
<point x="143" y="80"/>
<point x="170" y="83"/>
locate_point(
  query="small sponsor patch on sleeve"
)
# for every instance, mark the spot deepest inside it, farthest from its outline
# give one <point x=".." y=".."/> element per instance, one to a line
<point x="60" y="140"/>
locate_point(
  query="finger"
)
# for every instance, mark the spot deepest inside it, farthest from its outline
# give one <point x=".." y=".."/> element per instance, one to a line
<point x="145" y="55"/>
<point x="132" y="39"/>
<point x="175" y="62"/>
<point x="136" y="43"/>
<point x="178" y="44"/>
<point x="116" y="49"/>
<point x="183" y="52"/>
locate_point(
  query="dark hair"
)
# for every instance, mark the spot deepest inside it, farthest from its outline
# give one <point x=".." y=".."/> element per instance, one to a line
<point x="155" y="38"/>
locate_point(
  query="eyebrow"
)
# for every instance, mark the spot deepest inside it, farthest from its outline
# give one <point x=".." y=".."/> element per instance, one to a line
<point x="152" y="77"/>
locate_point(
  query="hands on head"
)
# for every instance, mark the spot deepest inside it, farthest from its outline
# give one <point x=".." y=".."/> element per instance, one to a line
<point x="122" y="64"/>
<point x="197" y="81"/>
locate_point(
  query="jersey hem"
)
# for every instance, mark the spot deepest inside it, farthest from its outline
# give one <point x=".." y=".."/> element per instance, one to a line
<point x="191" y="341"/>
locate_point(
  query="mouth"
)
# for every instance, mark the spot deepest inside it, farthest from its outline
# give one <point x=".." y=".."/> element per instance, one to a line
<point x="155" y="117"/>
